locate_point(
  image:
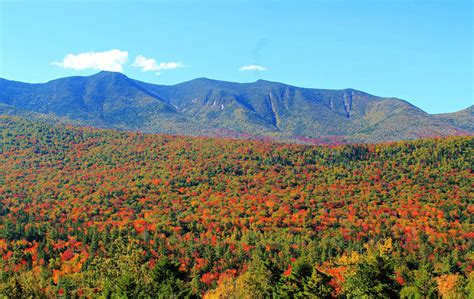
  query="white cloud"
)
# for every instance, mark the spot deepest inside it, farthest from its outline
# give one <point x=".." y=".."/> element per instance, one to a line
<point x="111" y="60"/>
<point x="252" y="67"/>
<point x="149" y="64"/>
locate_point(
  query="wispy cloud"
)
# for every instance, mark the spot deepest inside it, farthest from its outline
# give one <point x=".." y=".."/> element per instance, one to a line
<point x="150" y="64"/>
<point x="112" y="60"/>
<point x="252" y="67"/>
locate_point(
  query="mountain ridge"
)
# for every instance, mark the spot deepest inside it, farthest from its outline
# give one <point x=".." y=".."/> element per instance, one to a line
<point x="204" y="106"/>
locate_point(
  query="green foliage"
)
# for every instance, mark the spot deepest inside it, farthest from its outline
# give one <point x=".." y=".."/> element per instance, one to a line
<point x="373" y="276"/>
<point x="168" y="280"/>
<point x="259" y="280"/>
<point x="423" y="282"/>
<point x="292" y="285"/>
<point x="121" y="273"/>
<point x="304" y="281"/>
<point x="317" y="286"/>
<point x="470" y="285"/>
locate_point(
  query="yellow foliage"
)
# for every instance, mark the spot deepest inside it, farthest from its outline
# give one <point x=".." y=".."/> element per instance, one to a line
<point x="449" y="285"/>
<point x="386" y="247"/>
<point x="380" y="249"/>
<point x="351" y="259"/>
<point x="225" y="289"/>
<point x="246" y="286"/>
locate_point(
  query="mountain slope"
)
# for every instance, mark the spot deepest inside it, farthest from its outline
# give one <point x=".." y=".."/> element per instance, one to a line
<point x="463" y="119"/>
<point x="105" y="99"/>
<point x="210" y="107"/>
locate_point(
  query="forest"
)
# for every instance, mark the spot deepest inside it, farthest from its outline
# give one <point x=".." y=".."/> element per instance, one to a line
<point x="100" y="213"/>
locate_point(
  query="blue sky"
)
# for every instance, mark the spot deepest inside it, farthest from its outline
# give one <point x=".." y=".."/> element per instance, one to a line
<point x="420" y="51"/>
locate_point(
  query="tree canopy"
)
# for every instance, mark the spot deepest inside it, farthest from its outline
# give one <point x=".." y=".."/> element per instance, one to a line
<point x="87" y="212"/>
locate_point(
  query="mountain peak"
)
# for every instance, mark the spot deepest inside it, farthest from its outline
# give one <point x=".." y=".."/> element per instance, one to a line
<point x="109" y="74"/>
<point x="204" y="79"/>
<point x="114" y="78"/>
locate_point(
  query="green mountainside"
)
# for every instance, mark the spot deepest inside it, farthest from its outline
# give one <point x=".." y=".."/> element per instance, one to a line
<point x="213" y="108"/>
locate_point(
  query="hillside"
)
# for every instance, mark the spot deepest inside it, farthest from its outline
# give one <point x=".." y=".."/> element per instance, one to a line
<point x="89" y="212"/>
<point x="463" y="119"/>
<point x="215" y="108"/>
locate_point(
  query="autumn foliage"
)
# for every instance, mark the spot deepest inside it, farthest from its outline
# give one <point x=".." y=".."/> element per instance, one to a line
<point x="84" y="210"/>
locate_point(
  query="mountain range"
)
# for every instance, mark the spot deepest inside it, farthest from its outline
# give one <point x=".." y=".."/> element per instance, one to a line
<point x="202" y="106"/>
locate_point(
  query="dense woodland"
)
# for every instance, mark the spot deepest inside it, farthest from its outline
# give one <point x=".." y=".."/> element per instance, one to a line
<point x="87" y="212"/>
